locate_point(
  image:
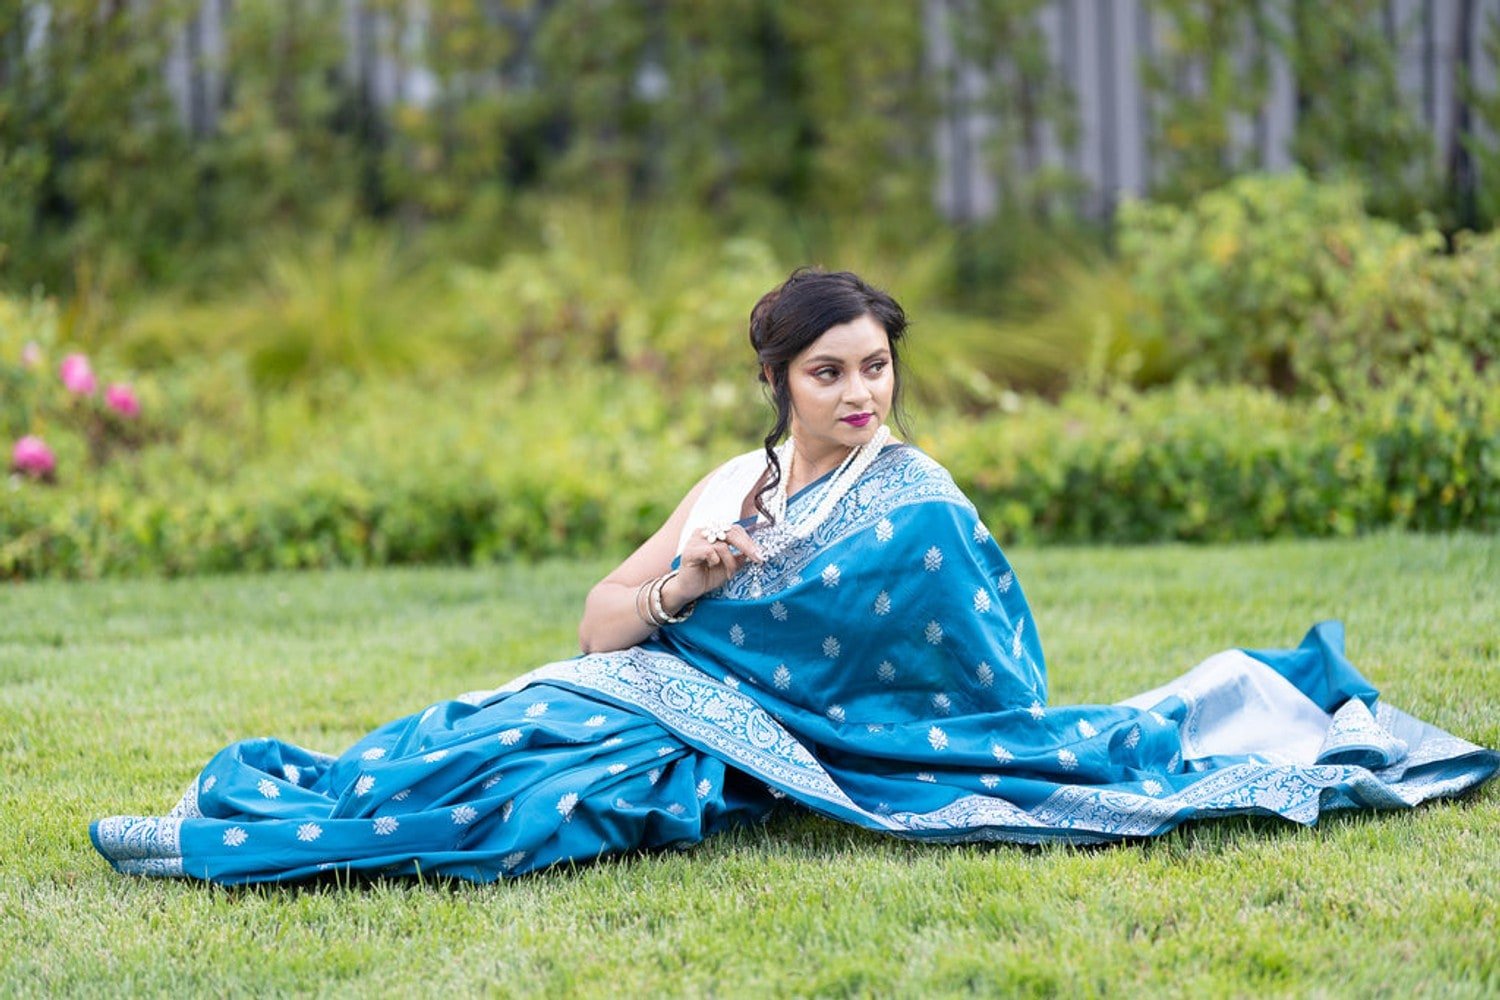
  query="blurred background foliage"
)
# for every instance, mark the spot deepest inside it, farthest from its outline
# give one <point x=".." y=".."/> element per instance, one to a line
<point x="510" y="320"/>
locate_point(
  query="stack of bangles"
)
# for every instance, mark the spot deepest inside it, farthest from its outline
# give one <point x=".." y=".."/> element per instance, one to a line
<point x="648" y="606"/>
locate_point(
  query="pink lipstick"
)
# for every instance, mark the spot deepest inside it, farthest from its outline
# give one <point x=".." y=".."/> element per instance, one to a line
<point x="858" y="419"/>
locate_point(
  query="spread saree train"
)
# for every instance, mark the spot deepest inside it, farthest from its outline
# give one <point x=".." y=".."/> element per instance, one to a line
<point x="885" y="671"/>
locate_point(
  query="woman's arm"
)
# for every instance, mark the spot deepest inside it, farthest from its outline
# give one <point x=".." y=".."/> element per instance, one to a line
<point x="611" y="619"/>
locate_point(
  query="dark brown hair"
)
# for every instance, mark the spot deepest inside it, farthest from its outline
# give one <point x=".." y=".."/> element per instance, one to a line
<point x="797" y="312"/>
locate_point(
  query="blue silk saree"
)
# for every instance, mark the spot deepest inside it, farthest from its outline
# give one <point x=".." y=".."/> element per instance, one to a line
<point x="885" y="671"/>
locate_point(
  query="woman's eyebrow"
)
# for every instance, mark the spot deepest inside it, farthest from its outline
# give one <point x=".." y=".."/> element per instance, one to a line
<point x="828" y="358"/>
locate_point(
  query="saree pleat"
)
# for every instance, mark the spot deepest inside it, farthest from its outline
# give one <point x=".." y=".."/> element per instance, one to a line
<point x="885" y="671"/>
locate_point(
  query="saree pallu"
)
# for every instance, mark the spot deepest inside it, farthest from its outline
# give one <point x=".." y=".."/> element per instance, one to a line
<point x="885" y="671"/>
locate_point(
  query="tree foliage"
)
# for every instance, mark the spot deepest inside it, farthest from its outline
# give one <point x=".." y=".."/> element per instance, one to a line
<point x="768" y="115"/>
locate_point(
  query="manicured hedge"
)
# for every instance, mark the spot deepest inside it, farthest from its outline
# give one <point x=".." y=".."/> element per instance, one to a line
<point x="1235" y="462"/>
<point x="475" y="475"/>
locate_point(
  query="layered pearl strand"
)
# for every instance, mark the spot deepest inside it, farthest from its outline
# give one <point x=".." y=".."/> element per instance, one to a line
<point x="784" y="531"/>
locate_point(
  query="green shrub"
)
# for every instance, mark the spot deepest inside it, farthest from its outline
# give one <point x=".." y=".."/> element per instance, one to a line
<point x="1283" y="282"/>
<point x="1234" y="462"/>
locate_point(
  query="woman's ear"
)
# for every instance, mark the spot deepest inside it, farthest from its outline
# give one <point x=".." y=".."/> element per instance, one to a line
<point x="766" y="374"/>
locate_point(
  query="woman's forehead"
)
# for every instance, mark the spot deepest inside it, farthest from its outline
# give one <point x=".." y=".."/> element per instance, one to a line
<point x="856" y="340"/>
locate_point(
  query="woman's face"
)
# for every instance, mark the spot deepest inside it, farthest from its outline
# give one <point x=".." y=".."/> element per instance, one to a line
<point x="841" y="387"/>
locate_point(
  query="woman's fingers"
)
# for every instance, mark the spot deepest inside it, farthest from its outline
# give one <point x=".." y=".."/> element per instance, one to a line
<point x="740" y="539"/>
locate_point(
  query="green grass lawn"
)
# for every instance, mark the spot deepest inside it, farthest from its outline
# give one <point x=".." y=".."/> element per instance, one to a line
<point x="113" y="694"/>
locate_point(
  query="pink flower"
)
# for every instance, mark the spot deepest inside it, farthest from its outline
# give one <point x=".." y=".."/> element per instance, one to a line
<point x="122" y="399"/>
<point x="32" y="457"/>
<point x="77" y="376"/>
<point x="31" y="355"/>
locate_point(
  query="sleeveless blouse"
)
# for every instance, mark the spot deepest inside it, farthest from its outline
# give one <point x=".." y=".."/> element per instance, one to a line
<point x="724" y="494"/>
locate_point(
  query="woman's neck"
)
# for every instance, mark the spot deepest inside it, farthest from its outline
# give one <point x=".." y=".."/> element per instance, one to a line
<point x="809" y="466"/>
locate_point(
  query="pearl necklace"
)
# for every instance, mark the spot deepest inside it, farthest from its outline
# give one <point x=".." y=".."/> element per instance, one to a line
<point x="783" y="531"/>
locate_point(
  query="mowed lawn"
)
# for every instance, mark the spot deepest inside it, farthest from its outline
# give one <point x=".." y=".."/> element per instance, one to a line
<point x="113" y="694"/>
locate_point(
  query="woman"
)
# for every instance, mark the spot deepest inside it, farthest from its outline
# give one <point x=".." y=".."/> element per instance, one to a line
<point x="826" y="620"/>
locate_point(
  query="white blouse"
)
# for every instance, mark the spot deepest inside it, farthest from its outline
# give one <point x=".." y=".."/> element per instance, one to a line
<point x="723" y="496"/>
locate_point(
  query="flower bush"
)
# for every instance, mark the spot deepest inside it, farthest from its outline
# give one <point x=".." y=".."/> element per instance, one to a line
<point x="43" y="413"/>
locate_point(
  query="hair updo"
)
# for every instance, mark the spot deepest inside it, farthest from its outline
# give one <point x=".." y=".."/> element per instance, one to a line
<point x="797" y="312"/>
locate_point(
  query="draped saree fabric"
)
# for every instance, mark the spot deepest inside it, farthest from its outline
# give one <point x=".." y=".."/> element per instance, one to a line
<point x="885" y="671"/>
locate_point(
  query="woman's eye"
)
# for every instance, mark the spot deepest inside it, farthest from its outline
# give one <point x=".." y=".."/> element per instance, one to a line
<point x="826" y="373"/>
<point x="877" y="367"/>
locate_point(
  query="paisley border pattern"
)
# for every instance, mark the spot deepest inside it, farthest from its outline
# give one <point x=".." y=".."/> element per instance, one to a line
<point x="721" y="721"/>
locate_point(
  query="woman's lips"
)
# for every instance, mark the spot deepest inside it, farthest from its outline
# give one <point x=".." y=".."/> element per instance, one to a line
<point x="858" y="419"/>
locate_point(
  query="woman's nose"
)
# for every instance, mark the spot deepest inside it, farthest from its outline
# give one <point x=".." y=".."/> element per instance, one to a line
<point x="858" y="390"/>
